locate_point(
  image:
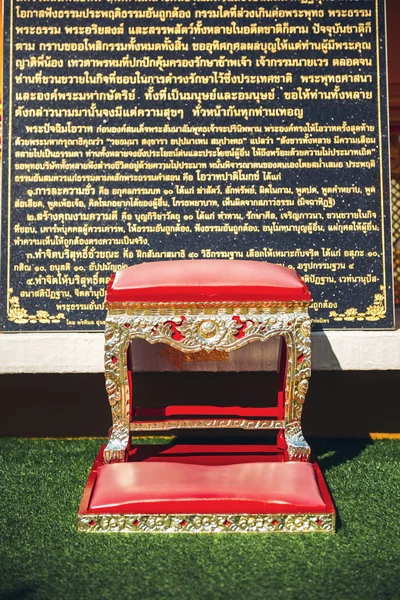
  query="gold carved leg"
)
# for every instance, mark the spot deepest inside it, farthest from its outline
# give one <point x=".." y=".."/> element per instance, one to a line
<point x="116" y="374"/>
<point x="298" y="374"/>
<point x="297" y="447"/>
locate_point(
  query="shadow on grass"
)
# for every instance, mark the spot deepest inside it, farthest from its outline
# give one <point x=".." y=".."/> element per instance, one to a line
<point x="331" y="453"/>
<point x="22" y="593"/>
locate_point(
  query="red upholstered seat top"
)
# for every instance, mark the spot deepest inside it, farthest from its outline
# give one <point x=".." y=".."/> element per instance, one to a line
<point x="206" y="281"/>
<point x="179" y="488"/>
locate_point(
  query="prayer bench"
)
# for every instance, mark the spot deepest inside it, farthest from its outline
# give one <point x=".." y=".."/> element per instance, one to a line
<point x="193" y="306"/>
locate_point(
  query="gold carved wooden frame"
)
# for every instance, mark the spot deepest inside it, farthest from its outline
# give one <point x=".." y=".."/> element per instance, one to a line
<point x="194" y="327"/>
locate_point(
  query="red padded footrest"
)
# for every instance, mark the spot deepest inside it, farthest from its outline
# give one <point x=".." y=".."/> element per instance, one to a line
<point x="253" y="487"/>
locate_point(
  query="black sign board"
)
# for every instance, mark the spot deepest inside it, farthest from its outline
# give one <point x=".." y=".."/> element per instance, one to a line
<point x="154" y="130"/>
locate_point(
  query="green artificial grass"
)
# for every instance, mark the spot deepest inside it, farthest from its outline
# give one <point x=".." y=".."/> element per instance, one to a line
<point x="43" y="557"/>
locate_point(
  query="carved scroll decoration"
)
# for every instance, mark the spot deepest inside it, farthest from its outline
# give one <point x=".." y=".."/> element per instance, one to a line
<point x="299" y="362"/>
<point x="210" y="423"/>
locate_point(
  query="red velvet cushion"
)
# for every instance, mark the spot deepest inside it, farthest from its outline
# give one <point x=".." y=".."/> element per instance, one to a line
<point x="178" y="488"/>
<point x="206" y="281"/>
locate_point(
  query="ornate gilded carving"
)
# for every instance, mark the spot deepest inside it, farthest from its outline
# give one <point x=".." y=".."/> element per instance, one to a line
<point x="302" y="335"/>
<point x="268" y="523"/>
<point x="207" y="331"/>
<point x="297" y="447"/>
<point x="214" y="307"/>
<point x="251" y="424"/>
<point x="117" y="340"/>
<point x="299" y="364"/>
<point x="118" y="443"/>
<point x="186" y="332"/>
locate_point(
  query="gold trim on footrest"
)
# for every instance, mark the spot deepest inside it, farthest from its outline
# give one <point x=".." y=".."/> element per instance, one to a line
<point x="268" y="523"/>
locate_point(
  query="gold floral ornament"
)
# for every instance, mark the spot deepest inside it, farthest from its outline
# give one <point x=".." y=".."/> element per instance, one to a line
<point x="199" y="523"/>
<point x="373" y="312"/>
<point x="17" y="314"/>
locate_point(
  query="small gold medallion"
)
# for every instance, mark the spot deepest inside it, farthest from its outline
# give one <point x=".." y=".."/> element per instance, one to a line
<point x="208" y="329"/>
